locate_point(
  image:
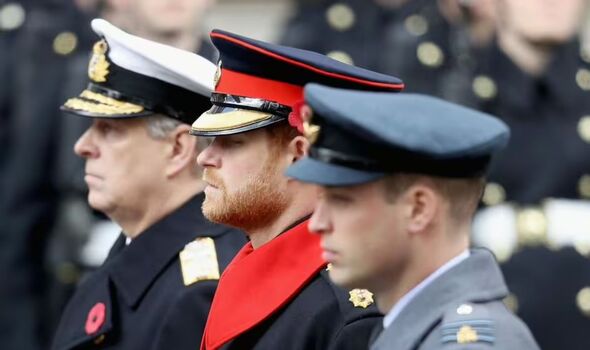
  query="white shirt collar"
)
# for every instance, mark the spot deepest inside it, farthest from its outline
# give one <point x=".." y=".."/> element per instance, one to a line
<point x="405" y="300"/>
<point x="127" y="240"/>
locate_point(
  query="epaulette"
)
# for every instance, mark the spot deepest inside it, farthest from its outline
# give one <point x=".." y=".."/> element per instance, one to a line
<point x="468" y="323"/>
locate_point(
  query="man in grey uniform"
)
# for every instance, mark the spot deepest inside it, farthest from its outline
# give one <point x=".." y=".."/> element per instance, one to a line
<point x="401" y="177"/>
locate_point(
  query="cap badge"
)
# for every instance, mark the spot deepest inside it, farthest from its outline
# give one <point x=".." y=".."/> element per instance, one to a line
<point x="198" y="261"/>
<point x="310" y="131"/>
<point x="217" y="75"/>
<point x="95" y="318"/>
<point x="360" y="298"/>
<point x="98" y="68"/>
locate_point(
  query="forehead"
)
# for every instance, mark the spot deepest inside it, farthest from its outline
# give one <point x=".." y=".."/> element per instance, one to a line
<point x="259" y="137"/>
<point x="123" y="122"/>
<point x="369" y="189"/>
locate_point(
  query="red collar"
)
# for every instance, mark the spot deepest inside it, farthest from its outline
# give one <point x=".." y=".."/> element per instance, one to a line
<point x="259" y="282"/>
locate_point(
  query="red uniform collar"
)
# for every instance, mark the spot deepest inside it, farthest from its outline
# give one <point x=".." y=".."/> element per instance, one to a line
<point x="259" y="282"/>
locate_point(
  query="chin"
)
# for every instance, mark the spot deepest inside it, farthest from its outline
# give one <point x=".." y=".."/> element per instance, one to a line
<point x="340" y="278"/>
<point x="97" y="202"/>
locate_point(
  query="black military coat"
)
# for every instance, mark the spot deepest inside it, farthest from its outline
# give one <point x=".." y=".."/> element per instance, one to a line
<point x="413" y="41"/>
<point x="543" y="170"/>
<point x="138" y="300"/>
<point x="279" y="296"/>
<point x="322" y="316"/>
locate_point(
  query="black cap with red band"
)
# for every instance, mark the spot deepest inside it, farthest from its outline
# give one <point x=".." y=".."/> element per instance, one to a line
<point x="259" y="84"/>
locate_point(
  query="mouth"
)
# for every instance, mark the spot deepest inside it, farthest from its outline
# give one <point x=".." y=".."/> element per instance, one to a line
<point x="329" y="255"/>
<point x="91" y="175"/>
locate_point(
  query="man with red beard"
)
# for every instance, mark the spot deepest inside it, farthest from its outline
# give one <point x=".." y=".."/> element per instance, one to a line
<point x="276" y="292"/>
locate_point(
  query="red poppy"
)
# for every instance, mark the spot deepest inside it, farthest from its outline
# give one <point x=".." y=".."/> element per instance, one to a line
<point x="96" y="317"/>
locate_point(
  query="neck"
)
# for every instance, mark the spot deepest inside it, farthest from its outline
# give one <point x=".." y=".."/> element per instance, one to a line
<point x="532" y="58"/>
<point x="134" y="222"/>
<point x="425" y="257"/>
<point x="300" y="207"/>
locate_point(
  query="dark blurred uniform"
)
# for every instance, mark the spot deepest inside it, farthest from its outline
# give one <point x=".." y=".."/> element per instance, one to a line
<point x="28" y="204"/>
<point x="413" y="40"/>
<point x="537" y="209"/>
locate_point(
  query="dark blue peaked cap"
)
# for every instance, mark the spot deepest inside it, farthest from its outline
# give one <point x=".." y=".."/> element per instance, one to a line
<point x="293" y="65"/>
<point x="365" y="135"/>
<point x="258" y="83"/>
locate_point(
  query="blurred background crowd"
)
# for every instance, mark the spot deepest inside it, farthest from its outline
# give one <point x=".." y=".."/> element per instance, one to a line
<point x="526" y="61"/>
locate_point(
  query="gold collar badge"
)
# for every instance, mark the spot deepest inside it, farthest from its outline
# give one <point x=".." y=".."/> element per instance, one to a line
<point x="361" y="298"/>
<point x="98" y="69"/>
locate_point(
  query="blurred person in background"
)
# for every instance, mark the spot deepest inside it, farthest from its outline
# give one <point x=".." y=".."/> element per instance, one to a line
<point x="49" y="235"/>
<point x="433" y="44"/>
<point x="536" y="77"/>
<point x="155" y="288"/>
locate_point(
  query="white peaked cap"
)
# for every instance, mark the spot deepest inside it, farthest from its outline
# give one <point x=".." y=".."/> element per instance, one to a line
<point x="166" y="63"/>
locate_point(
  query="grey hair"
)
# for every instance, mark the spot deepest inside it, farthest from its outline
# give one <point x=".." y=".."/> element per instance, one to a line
<point x="159" y="126"/>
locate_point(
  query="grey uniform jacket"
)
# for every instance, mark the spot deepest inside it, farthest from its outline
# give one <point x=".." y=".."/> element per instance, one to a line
<point x="461" y="309"/>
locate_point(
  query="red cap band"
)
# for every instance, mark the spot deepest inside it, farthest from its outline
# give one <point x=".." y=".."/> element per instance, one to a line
<point x="235" y="83"/>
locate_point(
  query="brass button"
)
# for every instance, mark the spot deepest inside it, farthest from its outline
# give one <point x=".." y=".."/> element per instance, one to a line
<point x="340" y="56"/>
<point x="493" y="194"/>
<point x="99" y="339"/>
<point x="340" y="17"/>
<point x="67" y="273"/>
<point x="583" y="79"/>
<point x="65" y="43"/>
<point x="511" y="302"/>
<point x="416" y="25"/>
<point x="502" y="254"/>
<point x="584" y="128"/>
<point x="484" y="87"/>
<point x="531" y="225"/>
<point x="430" y="55"/>
<point x="584" y="186"/>
<point x="583" y="300"/>
<point x="12" y="16"/>
<point x="582" y="247"/>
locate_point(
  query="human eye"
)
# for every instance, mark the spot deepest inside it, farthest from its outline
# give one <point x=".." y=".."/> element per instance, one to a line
<point x="232" y="142"/>
<point x="103" y="126"/>
<point x="338" y="197"/>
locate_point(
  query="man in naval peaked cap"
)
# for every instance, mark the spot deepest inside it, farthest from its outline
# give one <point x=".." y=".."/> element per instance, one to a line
<point x="275" y="293"/>
<point x="155" y="288"/>
<point x="401" y="176"/>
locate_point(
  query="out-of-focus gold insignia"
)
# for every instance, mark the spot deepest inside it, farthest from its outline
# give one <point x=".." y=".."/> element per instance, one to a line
<point x="531" y="226"/>
<point x="361" y="298"/>
<point x="467" y="335"/>
<point x="217" y="75"/>
<point x="310" y="131"/>
<point x="198" y="261"/>
<point x="98" y="68"/>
